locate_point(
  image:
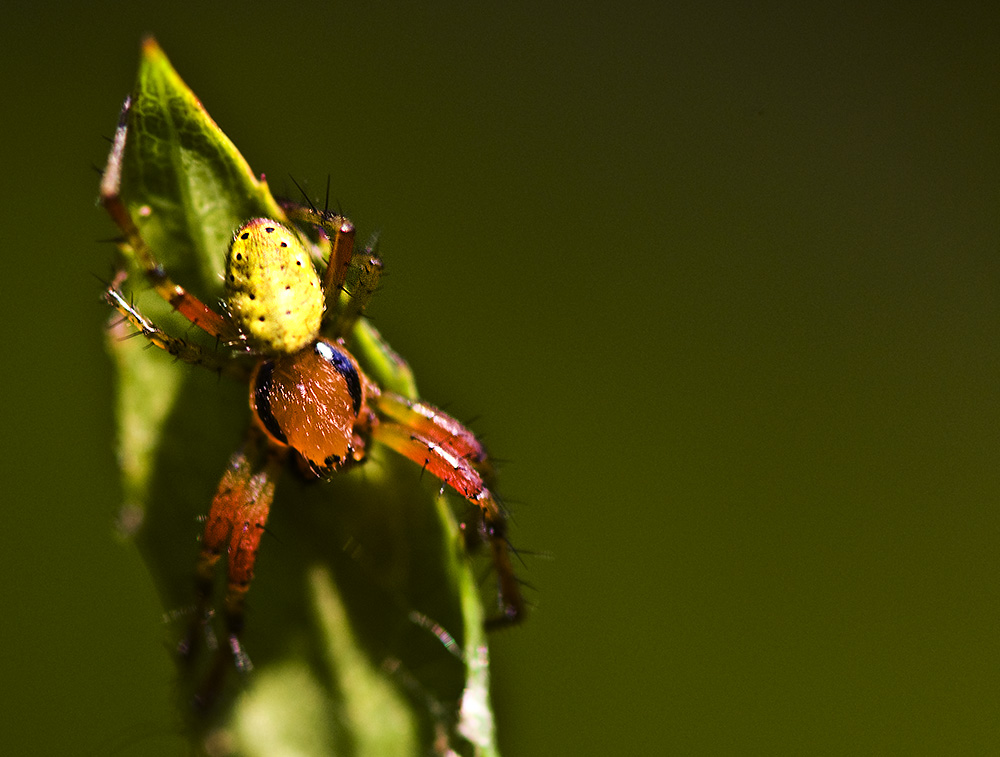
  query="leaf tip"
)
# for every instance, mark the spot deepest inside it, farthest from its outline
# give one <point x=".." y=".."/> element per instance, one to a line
<point x="151" y="48"/>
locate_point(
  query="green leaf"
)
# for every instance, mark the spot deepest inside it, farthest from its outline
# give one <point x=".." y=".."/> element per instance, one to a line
<point x="364" y="620"/>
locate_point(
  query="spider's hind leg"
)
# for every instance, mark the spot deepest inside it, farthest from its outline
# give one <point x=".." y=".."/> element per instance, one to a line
<point x="352" y="276"/>
<point x="182" y="349"/>
<point x="196" y="311"/>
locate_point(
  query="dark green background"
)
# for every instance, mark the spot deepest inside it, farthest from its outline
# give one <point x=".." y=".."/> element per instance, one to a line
<point x="722" y="286"/>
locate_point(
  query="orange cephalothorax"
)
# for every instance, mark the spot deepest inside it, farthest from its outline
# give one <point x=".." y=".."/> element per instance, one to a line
<point x="310" y="401"/>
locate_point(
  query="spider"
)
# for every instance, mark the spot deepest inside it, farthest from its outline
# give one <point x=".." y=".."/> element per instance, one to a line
<point x="312" y="407"/>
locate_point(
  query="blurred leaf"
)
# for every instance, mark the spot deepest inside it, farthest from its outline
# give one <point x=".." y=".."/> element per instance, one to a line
<point x="364" y="621"/>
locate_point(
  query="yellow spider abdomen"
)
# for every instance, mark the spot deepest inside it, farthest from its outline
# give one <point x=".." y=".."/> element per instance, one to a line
<point x="273" y="292"/>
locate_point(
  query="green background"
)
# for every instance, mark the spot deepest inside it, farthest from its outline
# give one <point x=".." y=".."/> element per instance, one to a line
<point x="721" y="285"/>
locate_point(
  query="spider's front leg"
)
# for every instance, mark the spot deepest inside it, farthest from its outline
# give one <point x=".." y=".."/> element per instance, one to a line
<point x="235" y="525"/>
<point x="449" y="451"/>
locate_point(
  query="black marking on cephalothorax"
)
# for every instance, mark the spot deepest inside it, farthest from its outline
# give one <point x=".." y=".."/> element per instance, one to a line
<point x="336" y="357"/>
<point x="262" y="401"/>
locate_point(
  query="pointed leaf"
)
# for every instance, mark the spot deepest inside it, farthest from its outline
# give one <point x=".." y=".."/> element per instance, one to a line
<point x="364" y="622"/>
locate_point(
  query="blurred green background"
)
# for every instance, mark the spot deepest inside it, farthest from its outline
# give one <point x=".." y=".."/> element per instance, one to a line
<point x="721" y="285"/>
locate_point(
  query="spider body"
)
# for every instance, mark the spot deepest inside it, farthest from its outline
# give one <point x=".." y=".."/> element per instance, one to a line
<point x="308" y="393"/>
<point x="273" y="293"/>
<point x="311" y="403"/>
<point x="314" y="401"/>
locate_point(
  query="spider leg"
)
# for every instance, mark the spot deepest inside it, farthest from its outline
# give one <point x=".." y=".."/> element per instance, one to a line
<point x="435" y="425"/>
<point x="181" y="349"/>
<point x="359" y="271"/>
<point x="235" y="524"/>
<point x="340" y="231"/>
<point x="451" y="453"/>
<point x="200" y="314"/>
<point x="365" y="273"/>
